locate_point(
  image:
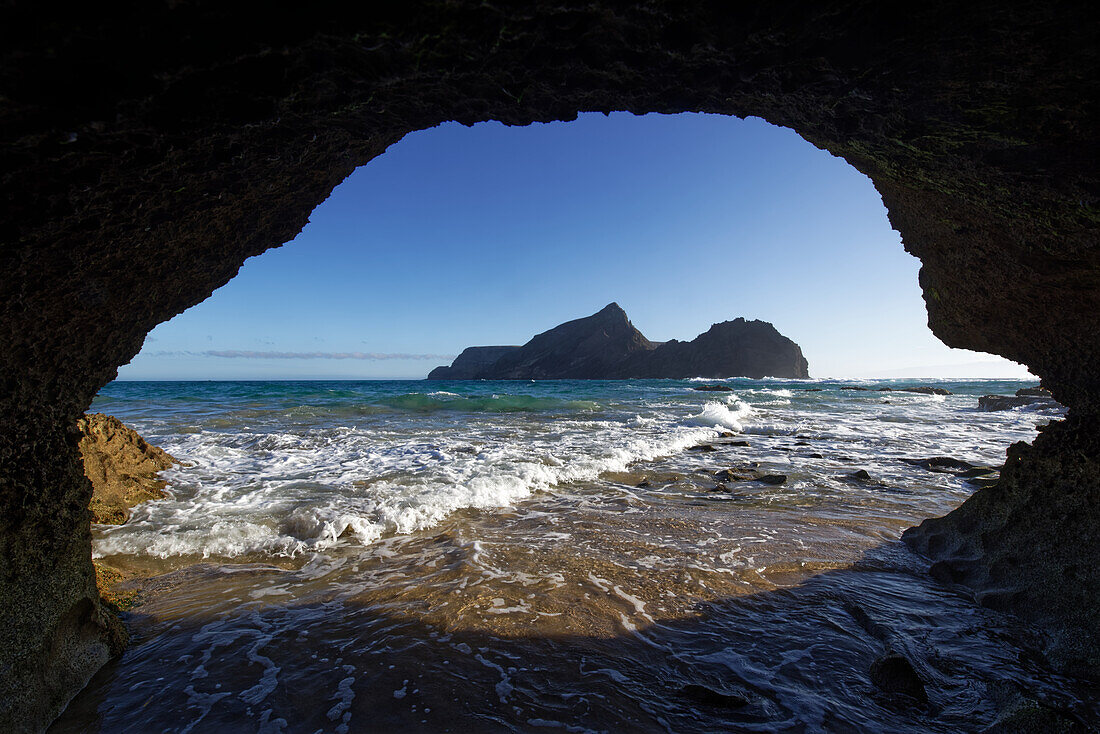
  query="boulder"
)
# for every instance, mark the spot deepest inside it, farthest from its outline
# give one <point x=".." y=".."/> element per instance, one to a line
<point x="942" y="464"/>
<point x="1008" y="402"/>
<point x="121" y="465"/>
<point x="925" y="390"/>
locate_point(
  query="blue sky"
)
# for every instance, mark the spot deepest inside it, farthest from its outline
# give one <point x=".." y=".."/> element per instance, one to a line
<point x="462" y="236"/>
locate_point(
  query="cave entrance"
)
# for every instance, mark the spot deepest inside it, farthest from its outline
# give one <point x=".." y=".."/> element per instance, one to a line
<point x="460" y="237"/>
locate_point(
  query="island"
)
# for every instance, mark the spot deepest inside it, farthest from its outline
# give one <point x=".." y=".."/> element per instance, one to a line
<point x="606" y="346"/>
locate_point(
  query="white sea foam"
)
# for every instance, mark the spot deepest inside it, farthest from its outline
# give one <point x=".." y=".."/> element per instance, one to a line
<point x="728" y="414"/>
<point x="271" y="486"/>
<point x="287" y="493"/>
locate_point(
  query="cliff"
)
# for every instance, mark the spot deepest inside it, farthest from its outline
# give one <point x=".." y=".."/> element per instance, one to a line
<point x="468" y="364"/>
<point x="737" y="348"/>
<point x="606" y="345"/>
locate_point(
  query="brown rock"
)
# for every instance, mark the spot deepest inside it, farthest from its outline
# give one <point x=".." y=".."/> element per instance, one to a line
<point x="121" y="465"/>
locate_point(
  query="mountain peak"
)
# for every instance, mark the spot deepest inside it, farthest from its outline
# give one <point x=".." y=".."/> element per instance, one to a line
<point x="606" y="345"/>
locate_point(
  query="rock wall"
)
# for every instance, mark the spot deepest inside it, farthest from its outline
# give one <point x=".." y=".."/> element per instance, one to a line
<point x="148" y="149"/>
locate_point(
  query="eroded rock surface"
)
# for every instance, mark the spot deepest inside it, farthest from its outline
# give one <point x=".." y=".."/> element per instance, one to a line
<point x="1028" y="543"/>
<point x="145" y="156"/>
<point x="121" y="465"/>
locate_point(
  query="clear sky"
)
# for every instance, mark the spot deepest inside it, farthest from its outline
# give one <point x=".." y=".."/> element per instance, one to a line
<point x="463" y="236"/>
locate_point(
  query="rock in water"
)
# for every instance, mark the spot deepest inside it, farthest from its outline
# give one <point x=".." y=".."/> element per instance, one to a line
<point x="712" y="697"/>
<point x="606" y="345"/>
<point x="1007" y="402"/>
<point x="894" y="673"/>
<point x="121" y="465"/>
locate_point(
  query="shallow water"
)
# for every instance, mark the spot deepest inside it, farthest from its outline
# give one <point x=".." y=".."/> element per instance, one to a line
<point x="480" y="556"/>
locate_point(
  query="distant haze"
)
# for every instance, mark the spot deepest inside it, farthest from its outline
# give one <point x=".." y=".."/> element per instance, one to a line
<point x="487" y="235"/>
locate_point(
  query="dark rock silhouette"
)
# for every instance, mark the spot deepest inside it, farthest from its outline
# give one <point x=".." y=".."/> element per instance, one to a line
<point x="588" y="348"/>
<point x="1007" y="402"/>
<point x="606" y="345"/>
<point x="894" y="673"/>
<point x="471" y="362"/>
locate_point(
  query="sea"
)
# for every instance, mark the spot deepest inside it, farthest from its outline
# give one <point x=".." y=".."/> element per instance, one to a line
<point x="579" y="556"/>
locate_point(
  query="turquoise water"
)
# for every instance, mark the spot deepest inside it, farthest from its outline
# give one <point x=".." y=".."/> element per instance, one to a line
<point x="521" y="556"/>
<point x="289" y="467"/>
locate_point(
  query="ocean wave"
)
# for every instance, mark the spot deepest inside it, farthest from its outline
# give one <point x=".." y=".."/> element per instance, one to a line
<point x="286" y="493"/>
<point x="727" y="414"/>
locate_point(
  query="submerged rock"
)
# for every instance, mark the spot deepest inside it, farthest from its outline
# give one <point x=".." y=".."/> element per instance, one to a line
<point x="121" y="465"/>
<point x="713" y="388"/>
<point x="773" y="479"/>
<point x="472" y="361"/>
<point x="893" y="673"/>
<point x="704" y="447"/>
<point x="711" y="697"/>
<point x="860" y="475"/>
<point x="942" y="464"/>
<point x="920" y="390"/>
<point x="1008" y="402"/>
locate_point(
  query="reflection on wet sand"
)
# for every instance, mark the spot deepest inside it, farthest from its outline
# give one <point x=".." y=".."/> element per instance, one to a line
<point x="586" y="614"/>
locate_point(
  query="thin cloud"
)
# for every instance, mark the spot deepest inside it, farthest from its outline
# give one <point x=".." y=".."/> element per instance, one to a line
<point x="368" y="356"/>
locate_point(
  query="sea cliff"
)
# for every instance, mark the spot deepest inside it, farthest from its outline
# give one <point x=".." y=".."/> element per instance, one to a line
<point x="607" y="346"/>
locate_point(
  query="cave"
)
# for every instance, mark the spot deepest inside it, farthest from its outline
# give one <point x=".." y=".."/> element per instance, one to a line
<point x="149" y="151"/>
